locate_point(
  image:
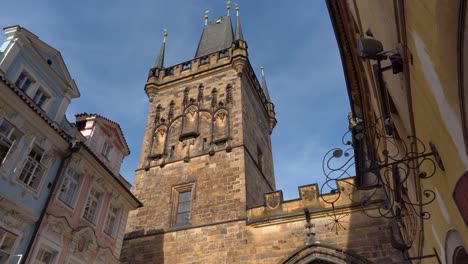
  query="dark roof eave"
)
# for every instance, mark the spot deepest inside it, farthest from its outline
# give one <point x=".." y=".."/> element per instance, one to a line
<point x="35" y="108"/>
<point x="347" y="71"/>
<point x="342" y="55"/>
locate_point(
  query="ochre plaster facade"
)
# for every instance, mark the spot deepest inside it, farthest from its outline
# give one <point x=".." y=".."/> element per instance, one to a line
<point x="427" y="101"/>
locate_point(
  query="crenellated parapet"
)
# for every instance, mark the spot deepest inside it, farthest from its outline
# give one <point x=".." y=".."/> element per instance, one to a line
<point x="235" y="57"/>
<point x="346" y="199"/>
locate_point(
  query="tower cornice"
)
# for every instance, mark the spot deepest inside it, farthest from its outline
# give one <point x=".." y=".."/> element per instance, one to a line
<point x="235" y="57"/>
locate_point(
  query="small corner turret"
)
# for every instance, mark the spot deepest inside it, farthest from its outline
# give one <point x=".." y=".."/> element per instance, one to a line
<point x="270" y="106"/>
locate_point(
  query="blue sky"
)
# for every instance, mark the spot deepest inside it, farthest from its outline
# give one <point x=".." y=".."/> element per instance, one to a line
<point x="109" y="46"/>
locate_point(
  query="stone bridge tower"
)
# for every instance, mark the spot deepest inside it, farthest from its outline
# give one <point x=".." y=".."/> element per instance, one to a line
<point x="206" y="153"/>
<point x="205" y="175"/>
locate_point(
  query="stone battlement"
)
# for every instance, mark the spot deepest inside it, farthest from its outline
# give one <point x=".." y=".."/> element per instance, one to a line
<point x="235" y="56"/>
<point x="276" y="210"/>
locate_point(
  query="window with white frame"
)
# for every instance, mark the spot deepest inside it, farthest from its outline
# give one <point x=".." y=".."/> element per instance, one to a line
<point x="40" y="97"/>
<point x="45" y="256"/>
<point x="111" y="220"/>
<point x="8" y="135"/>
<point x="33" y="169"/>
<point x="7" y="241"/>
<point x="23" y="82"/>
<point x="106" y="149"/>
<point x="69" y="187"/>
<point x="92" y="205"/>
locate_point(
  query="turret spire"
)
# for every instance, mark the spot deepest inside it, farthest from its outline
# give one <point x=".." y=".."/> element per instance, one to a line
<point x="239" y="34"/>
<point x="206" y="17"/>
<point x="160" y="60"/>
<point x="264" y="85"/>
<point x="228" y="7"/>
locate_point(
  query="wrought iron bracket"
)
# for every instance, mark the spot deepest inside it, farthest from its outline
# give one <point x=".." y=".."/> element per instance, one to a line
<point x="435" y="255"/>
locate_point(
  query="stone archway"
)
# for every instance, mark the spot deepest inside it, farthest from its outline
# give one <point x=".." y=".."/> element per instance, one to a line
<point x="323" y="254"/>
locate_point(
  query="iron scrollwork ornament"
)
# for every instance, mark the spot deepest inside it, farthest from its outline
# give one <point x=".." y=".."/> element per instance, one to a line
<point x="385" y="166"/>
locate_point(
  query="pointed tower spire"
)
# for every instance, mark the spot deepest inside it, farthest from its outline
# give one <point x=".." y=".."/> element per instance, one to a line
<point x="239" y="34"/>
<point x="160" y="60"/>
<point x="228" y="7"/>
<point x="264" y="85"/>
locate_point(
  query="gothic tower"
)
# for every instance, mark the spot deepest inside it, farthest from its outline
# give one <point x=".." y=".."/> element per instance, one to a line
<point x="206" y="153"/>
<point x="205" y="174"/>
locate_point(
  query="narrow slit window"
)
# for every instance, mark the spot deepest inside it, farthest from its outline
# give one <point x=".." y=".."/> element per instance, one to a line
<point x="259" y="158"/>
<point x="171" y="154"/>
<point x="204" y="145"/>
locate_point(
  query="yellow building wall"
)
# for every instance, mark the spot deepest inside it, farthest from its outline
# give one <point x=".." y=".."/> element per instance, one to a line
<point x="431" y="29"/>
<point x="432" y="40"/>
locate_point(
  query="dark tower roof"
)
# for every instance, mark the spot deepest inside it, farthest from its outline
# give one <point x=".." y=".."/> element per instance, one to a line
<point x="160" y="59"/>
<point x="217" y="35"/>
<point x="239" y="34"/>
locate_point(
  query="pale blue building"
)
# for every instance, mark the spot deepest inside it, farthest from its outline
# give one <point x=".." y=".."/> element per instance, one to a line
<point x="35" y="137"/>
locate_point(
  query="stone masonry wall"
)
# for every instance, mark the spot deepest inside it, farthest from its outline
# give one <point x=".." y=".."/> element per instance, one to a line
<point x="236" y="242"/>
<point x="259" y="174"/>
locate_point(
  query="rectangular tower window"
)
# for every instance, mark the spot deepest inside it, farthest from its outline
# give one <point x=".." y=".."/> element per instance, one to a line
<point x="171" y="154"/>
<point x="33" y="169"/>
<point x="205" y="144"/>
<point x="23" y="82"/>
<point x="259" y="158"/>
<point x="182" y="200"/>
<point x="8" y="136"/>
<point x="183" y="208"/>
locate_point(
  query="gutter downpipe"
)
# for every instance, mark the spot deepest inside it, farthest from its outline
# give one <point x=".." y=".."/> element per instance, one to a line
<point x="74" y="147"/>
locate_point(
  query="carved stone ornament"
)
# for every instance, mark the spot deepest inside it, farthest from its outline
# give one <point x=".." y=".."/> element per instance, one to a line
<point x="221" y="115"/>
<point x="161" y="131"/>
<point x="104" y="255"/>
<point x="273" y="199"/>
<point x="308" y="192"/>
<point x="12" y="219"/>
<point x="57" y="228"/>
<point x="84" y="241"/>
